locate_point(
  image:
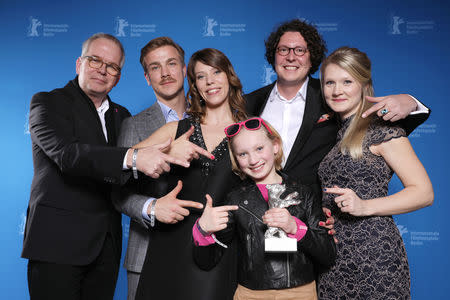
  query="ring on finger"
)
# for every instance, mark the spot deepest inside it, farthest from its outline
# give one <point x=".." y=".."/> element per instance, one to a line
<point x="384" y="111"/>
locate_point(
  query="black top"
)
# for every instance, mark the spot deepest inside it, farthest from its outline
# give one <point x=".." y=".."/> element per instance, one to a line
<point x="169" y="271"/>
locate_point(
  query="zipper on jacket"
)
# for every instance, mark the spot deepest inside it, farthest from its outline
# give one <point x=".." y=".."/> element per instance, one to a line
<point x="251" y="214"/>
<point x="249" y="250"/>
<point x="288" y="271"/>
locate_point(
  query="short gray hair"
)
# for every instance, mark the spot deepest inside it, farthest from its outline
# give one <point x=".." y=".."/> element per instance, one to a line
<point x="101" y="35"/>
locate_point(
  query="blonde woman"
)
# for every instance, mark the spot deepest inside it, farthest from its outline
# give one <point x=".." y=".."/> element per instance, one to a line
<point x="371" y="259"/>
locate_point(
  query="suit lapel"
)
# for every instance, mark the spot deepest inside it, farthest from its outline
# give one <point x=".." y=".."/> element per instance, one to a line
<point x="84" y="103"/>
<point x="112" y="122"/>
<point x="154" y="120"/>
<point x="312" y="113"/>
<point x="157" y="115"/>
<point x="267" y="92"/>
<point x="254" y="106"/>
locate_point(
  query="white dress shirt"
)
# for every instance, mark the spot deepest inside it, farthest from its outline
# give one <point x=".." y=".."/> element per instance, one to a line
<point x="286" y="115"/>
<point x="101" y="111"/>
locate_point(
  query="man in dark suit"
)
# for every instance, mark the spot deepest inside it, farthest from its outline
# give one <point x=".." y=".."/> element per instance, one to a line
<point x="294" y="106"/>
<point x="73" y="234"/>
<point x="164" y="69"/>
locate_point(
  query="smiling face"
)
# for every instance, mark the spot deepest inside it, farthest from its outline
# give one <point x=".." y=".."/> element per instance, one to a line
<point x="292" y="70"/>
<point x="97" y="83"/>
<point x="212" y="84"/>
<point x="165" y="72"/>
<point x="255" y="154"/>
<point x="342" y="91"/>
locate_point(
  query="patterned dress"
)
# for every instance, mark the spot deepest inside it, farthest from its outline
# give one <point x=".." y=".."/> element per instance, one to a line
<point x="371" y="260"/>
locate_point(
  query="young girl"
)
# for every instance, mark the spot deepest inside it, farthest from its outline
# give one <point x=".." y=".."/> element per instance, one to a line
<point x="256" y="154"/>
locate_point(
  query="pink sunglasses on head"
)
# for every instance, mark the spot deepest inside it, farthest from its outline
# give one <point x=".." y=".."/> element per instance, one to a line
<point x="250" y="124"/>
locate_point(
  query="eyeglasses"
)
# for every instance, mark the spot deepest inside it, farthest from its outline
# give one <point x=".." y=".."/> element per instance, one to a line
<point x="250" y="124"/>
<point x="298" y="51"/>
<point x="97" y="63"/>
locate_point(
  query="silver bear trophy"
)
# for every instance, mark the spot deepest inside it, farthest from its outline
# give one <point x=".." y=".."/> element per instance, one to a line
<point x="275" y="201"/>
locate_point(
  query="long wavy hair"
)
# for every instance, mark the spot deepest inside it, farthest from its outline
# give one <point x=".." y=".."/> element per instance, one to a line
<point x="214" y="58"/>
<point x="358" y="65"/>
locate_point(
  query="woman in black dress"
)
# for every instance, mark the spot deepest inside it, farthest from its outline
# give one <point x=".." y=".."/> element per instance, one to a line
<point x="371" y="259"/>
<point x="215" y="99"/>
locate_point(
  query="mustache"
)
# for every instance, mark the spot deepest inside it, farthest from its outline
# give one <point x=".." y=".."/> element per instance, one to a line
<point x="167" y="79"/>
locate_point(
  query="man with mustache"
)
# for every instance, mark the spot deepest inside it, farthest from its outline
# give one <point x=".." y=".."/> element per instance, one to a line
<point x="73" y="234"/>
<point x="164" y="69"/>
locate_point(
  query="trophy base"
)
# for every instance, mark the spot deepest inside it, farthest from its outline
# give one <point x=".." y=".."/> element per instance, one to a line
<point x="280" y="245"/>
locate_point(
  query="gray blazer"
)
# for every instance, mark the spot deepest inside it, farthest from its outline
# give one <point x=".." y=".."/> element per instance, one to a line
<point x="134" y="130"/>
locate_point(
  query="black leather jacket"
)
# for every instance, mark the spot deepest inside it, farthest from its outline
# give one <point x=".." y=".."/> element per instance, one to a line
<point x="258" y="270"/>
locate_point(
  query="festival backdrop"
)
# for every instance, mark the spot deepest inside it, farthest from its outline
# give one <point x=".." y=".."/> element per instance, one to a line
<point x="408" y="42"/>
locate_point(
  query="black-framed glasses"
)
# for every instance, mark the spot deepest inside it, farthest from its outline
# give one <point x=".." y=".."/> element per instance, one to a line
<point x="250" y="124"/>
<point x="97" y="63"/>
<point x="298" y="51"/>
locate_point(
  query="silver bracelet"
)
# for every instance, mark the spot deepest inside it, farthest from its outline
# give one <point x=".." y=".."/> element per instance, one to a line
<point x="218" y="242"/>
<point x="133" y="164"/>
<point x="152" y="213"/>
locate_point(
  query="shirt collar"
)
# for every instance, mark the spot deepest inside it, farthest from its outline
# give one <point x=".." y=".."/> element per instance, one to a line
<point x="104" y="107"/>
<point x="167" y="111"/>
<point x="301" y="93"/>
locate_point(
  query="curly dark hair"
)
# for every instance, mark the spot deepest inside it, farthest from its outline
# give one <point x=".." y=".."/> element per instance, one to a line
<point x="316" y="45"/>
<point x="214" y="58"/>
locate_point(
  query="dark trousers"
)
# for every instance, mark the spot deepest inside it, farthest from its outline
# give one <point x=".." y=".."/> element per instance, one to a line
<point x="96" y="281"/>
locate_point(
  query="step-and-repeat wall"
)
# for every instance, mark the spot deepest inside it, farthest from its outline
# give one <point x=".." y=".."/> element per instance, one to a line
<point x="408" y="42"/>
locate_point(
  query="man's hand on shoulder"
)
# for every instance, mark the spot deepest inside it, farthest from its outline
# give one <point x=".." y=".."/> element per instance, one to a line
<point x="391" y="108"/>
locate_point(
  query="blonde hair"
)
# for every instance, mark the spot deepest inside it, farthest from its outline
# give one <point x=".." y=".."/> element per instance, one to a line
<point x="358" y="65"/>
<point x="274" y="137"/>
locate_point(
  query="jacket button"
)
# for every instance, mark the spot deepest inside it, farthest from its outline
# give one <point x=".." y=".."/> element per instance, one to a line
<point x="245" y="202"/>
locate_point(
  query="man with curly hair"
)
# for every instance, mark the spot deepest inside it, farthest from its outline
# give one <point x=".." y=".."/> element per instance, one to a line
<point x="293" y="103"/>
